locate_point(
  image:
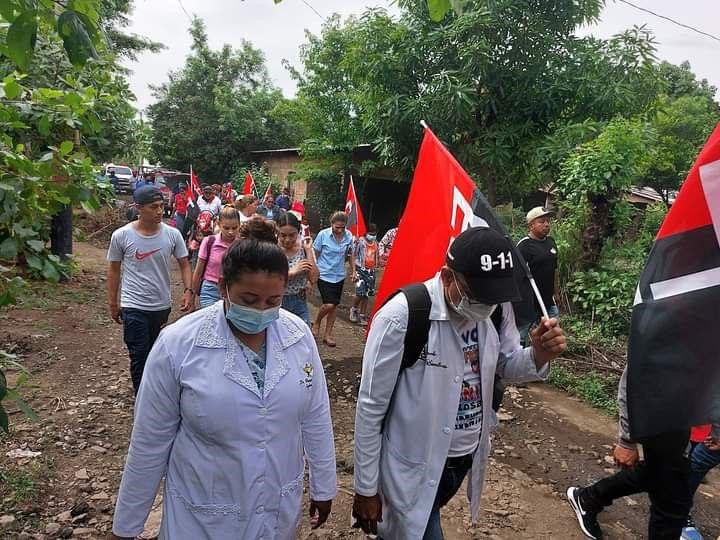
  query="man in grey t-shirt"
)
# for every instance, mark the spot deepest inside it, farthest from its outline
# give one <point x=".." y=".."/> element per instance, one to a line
<point x="140" y="255"/>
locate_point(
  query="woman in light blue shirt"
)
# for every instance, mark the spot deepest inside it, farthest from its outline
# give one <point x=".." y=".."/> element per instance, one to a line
<point x="331" y="247"/>
<point x="232" y="402"/>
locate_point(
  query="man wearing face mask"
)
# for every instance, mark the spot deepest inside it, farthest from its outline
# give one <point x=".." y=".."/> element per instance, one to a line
<point x="422" y="426"/>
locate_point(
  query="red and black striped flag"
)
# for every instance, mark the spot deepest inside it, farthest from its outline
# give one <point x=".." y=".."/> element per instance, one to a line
<point x="673" y="354"/>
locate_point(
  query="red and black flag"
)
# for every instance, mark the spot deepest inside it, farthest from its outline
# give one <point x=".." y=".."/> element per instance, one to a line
<point x="249" y="188"/>
<point x="443" y="202"/>
<point x="673" y="355"/>
<point x="356" y="221"/>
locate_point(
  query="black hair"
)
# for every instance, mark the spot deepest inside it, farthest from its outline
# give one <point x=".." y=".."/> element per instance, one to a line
<point x="255" y="251"/>
<point x="288" y="218"/>
<point x="372" y="228"/>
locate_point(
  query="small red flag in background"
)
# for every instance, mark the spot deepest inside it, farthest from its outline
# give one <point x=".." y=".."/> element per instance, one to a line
<point x="194" y="190"/>
<point x="356" y="221"/>
<point x="673" y="361"/>
<point x="249" y="187"/>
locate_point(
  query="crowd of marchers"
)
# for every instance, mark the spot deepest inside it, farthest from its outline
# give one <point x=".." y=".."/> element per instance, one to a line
<point x="232" y="402"/>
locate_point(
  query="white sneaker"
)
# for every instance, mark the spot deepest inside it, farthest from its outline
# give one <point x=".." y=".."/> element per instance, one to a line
<point x="353" y="315"/>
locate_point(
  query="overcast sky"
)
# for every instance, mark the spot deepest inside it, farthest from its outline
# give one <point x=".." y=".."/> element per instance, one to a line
<point x="278" y="30"/>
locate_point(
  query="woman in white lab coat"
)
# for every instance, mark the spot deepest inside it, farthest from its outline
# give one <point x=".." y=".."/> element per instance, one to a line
<point x="233" y="398"/>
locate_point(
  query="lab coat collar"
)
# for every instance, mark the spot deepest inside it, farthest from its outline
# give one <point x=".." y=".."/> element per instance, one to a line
<point x="439" y="309"/>
<point x="215" y="333"/>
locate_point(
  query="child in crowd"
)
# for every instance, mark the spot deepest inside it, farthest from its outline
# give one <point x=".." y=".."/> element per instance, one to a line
<point x="366" y="254"/>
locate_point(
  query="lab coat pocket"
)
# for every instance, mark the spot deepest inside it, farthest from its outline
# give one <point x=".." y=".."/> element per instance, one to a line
<point x="217" y="521"/>
<point x="401" y="478"/>
<point x="291" y="504"/>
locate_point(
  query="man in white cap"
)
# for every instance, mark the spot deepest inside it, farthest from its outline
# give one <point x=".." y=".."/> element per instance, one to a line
<point x="540" y="252"/>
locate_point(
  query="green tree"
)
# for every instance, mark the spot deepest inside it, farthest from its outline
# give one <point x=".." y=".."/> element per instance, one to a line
<point x="683" y="125"/>
<point x="216" y="109"/>
<point x="596" y="176"/>
<point x="493" y="82"/>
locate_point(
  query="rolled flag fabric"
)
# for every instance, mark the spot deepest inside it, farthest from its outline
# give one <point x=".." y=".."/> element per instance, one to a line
<point x="673" y="359"/>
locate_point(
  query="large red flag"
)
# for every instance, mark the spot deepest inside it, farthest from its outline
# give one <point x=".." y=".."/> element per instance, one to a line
<point x="249" y="187"/>
<point x="443" y="202"/>
<point x="673" y="360"/>
<point x="356" y="221"/>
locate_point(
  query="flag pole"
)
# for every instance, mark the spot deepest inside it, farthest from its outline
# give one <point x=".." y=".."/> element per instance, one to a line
<point x="529" y="275"/>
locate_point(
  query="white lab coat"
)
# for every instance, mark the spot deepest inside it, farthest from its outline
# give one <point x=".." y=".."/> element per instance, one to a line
<point x="404" y="460"/>
<point x="232" y="459"/>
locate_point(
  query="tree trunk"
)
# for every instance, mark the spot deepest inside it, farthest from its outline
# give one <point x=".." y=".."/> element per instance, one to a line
<point x="596" y="231"/>
<point x="490" y="182"/>
<point x="61" y="233"/>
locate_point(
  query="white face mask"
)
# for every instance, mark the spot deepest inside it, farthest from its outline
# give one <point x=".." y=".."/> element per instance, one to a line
<point x="472" y="311"/>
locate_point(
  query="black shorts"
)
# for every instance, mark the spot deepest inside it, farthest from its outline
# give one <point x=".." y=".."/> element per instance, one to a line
<point x="331" y="293"/>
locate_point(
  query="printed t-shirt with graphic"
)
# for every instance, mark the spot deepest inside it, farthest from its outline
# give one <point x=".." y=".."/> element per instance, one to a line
<point x="297" y="283"/>
<point x="541" y="256"/>
<point x="145" y="265"/>
<point x="213" y="206"/>
<point x="213" y="267"/>
<point x="468" y="422"/>
<point x="256" y="361"/>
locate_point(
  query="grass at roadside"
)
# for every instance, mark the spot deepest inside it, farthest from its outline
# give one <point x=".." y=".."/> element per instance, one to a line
<point x="19" y="485"/>
<point x="596" y="389"/>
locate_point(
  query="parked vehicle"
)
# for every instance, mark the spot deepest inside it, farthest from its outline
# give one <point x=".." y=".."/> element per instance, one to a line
<point x="124" y="176"/>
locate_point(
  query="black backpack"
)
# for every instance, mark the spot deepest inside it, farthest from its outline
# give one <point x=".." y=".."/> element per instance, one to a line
<point x="418" y="329"/>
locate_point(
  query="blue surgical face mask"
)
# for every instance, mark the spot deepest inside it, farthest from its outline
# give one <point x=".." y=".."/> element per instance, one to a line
<point x="249" y="320"/>
<point x="370" y="237"/>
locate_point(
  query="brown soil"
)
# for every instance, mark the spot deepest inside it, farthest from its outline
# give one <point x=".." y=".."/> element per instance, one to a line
<point x="82" y="393"/>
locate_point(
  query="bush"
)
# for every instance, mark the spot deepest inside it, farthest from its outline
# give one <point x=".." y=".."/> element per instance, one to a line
<point x="605" y="297"/>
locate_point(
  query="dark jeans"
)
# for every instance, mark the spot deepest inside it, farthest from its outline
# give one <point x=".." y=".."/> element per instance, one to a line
<point x="663" y="475"/>
<point x="140" y="330"/>
<point x="702" y="459"/>
<point x="455" y="471"/>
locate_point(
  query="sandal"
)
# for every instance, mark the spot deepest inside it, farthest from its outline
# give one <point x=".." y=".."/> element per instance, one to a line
<point x="329" y="342"/>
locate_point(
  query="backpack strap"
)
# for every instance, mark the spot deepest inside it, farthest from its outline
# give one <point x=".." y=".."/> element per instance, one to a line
<point x="210" y="243"/>
<point x="418" y="325"/>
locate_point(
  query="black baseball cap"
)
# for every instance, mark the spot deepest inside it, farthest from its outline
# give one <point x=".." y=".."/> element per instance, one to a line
<point x="147" y="195"/>
<point x="484" y="258"/>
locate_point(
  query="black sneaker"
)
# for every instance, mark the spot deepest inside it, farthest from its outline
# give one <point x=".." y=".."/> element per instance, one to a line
<point x="588" y="521"/>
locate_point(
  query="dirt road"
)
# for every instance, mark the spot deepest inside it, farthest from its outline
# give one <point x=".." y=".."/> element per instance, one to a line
<point x="83" y="395"/>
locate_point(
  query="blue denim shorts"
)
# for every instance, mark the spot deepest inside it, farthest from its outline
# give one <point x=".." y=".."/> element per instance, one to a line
<point x="209" y="293"/>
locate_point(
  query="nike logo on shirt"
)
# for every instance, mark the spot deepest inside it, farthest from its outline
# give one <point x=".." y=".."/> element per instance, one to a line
<point x="139" y="255"/>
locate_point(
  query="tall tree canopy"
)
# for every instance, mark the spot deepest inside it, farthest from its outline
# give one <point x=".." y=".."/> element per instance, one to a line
<point x="493" y="81"/>
<point x="216" y="109"/>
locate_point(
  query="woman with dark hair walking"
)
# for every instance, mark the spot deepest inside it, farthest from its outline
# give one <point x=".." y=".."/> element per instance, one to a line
<point x="232" y="402"/>
<point x="301" y="262"/>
